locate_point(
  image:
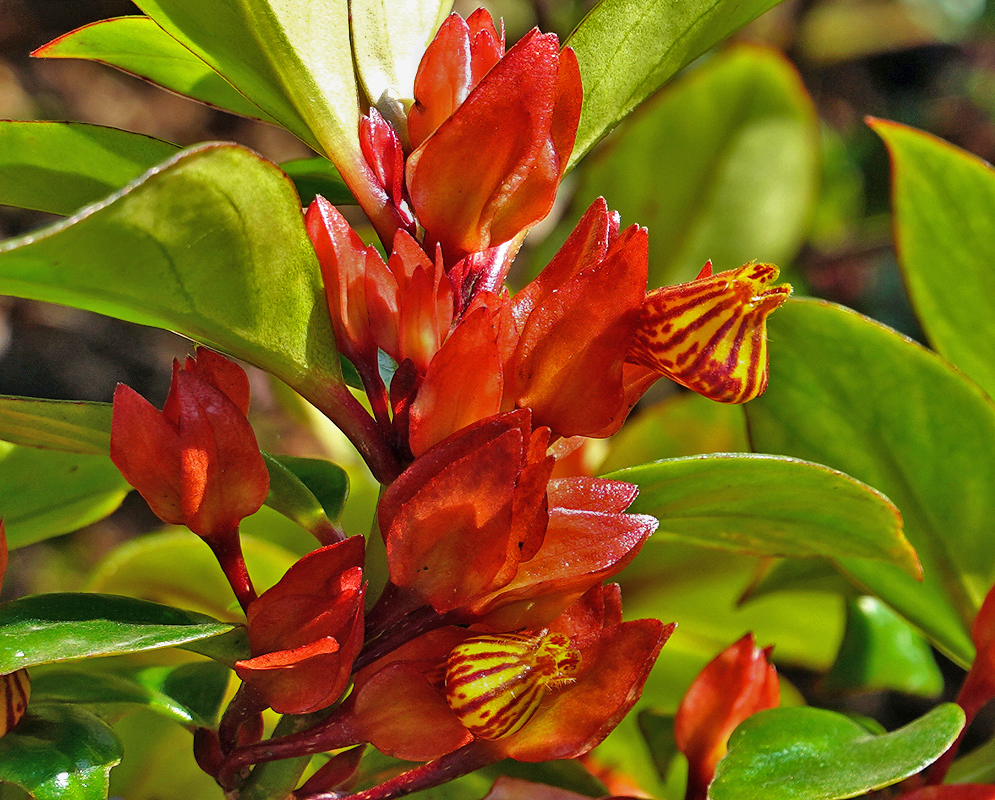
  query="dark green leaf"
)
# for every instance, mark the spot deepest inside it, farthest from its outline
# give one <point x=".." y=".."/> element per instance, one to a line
<point x="740" y="165"/>
<point x="658" y="730"/>
<point x="74" y="426"/>
<point x="212" y="246"/>
<point x="45" y="493"/>
<point x="313" y="176"/>
<point x="945" y="247"/>
<point x="855" y="395"/>
<point x="762" y="505"/>
<point x="60" y="752"/>
<point x="880" y="651"/>
<point x="327" y="481"/>
<point x="46" y="628"/>
<point x="308" y="491"/>
<point x="59" y="167"/>
<point x="138" y="46"/>
<point x="812" y="754"/>
<point x="629" y="48"/>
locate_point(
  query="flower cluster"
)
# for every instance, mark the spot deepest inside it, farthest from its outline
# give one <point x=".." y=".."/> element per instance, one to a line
<point x="495" y="636"/>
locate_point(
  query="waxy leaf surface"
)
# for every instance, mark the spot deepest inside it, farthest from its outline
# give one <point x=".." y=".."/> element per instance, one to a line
<point x="77" y="427"/>
<point x="59" y="167"/>
<point x="850" y="393"/>
<point x="138" y="46"/>
<point x="813" y="754"/>
<point x="212" y="246"/>
<point x="943" y="201"/>
<point x="47" y="493"/>
<point x="767" y="506"/>
<point x="735" y="143"/>
<point x="46" y="628"/>
<point x="628" y="48"/>
<point x="60" y="752"/>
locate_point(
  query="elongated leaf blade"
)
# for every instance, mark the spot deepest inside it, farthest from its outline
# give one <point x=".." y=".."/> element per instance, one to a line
<point x="138" y="46"/>
<point x="628" y="48"/>
<point x="768" y="506"/>
<point x="945" y="246"/>
<point x="211" y="245"/>
<point x="59" y="167"/>
<point x="852" y="394"/>
<point x="73" y="426"/>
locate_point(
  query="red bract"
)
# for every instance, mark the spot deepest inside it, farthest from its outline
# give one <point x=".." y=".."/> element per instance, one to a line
<point x="306" y="631"/>
<point x="15" y="687"/>
<point x="739" y="682"/>
<point x="490" y="170"/>
<point x="476" y="525"/>
<point x="402" y="696"/>
<point x="196" y="462"/>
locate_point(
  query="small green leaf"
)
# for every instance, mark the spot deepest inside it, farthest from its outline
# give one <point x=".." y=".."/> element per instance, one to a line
<point x="47" y="628"/>
<point x="73" y="426"/>
<point x="309" y="491"/>
<point x="327" y="481"/>
<point x="211" y="245"/>
<point x="741" y="162"/>
<point x="629" y="48"/>
<point x="190" y="694"/>
<point x="658" y="730"/>
<point x="769" y="506"/>
<point x="314" y="176"/>
<point x="140" y="47"/>
<point x="880" y="651"/>
<point x="59" y="167"/>
<point x="812" y="754"/>
<point x="852" y="394"/>
<point x="945" y="246"/>
<point x="45" y="493"/>
<point x="60" y="752"/>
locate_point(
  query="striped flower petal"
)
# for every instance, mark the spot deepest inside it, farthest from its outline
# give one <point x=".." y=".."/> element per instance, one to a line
<point x="15" y="688"/>
<point x="710" y="334"/>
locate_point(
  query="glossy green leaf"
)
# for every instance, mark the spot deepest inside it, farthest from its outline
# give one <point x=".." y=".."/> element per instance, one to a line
<point x="768" y="506"/>
<point x="212" y="245"/>
<point x="45" y="493"/>
<point x="327" y="481"/>
<point x="735" y="143"/>
<point x="880" y="651"/>
<point x="309" y="491"/>
<point x="140" y="47"/>
<point x="390" y="37"/>
<point x="193" y="579"/>
<point x="74" y="426"/>
<point x="850" y="393"/>
<point x="190" y="694"/>
<point x="60" y="752"/>
<point x="813" y="754"/>
<point x="946" y="244"/>
<point x="47" y="628"/>
<point x="59" y="167"/>
<point x="313" y="176"/>
<point x="629" y="48"/>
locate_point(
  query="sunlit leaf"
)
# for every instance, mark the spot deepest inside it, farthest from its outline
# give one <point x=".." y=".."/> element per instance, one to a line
<point x="77" y="427"/>
<point x="629" y="48"/>
<point x="852" y="394"/>
<point x="813" y="754"/>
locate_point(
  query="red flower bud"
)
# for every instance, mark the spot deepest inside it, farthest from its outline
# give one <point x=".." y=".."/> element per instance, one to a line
<point x="737" y="683"/>
<point x="196" y="462"/>
<point x="306" y="631"/>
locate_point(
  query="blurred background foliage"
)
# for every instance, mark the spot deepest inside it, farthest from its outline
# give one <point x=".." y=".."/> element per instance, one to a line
<point x="757" y="151"/>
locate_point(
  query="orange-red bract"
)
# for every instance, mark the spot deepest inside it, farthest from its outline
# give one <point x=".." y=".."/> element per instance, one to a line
<point x="196" y="462"/>
<point x="306" y="631"/>
<point x="737" y="683"/>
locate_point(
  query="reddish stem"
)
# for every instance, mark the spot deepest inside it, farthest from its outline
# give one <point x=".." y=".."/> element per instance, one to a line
<point x="974" y="694"/>
<point x="228" y="550"/>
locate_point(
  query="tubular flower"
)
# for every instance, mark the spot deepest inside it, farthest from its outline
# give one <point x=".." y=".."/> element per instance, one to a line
<point x="548" y="694"/>
<point x="196" y="462"/>
<point x="739" y="682"/>
<point x="475" y="526"/>
<point x="710" y="334"/>
<point x="15" y="687"/>
<point x="486" y="168"/>
<point x="306" y="631"/>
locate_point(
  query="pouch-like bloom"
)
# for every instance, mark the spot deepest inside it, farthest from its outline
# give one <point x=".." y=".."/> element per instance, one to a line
<point x="476" y="525"/>
<point x="15" y="687"/>
<point x="710" y="334"/>
<point x="417" y="702"/>
<point x="306" y="631"/>
<point x="737" y="683"/>
<point x="196" y="462"/>
<point x="490" y="169"/>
